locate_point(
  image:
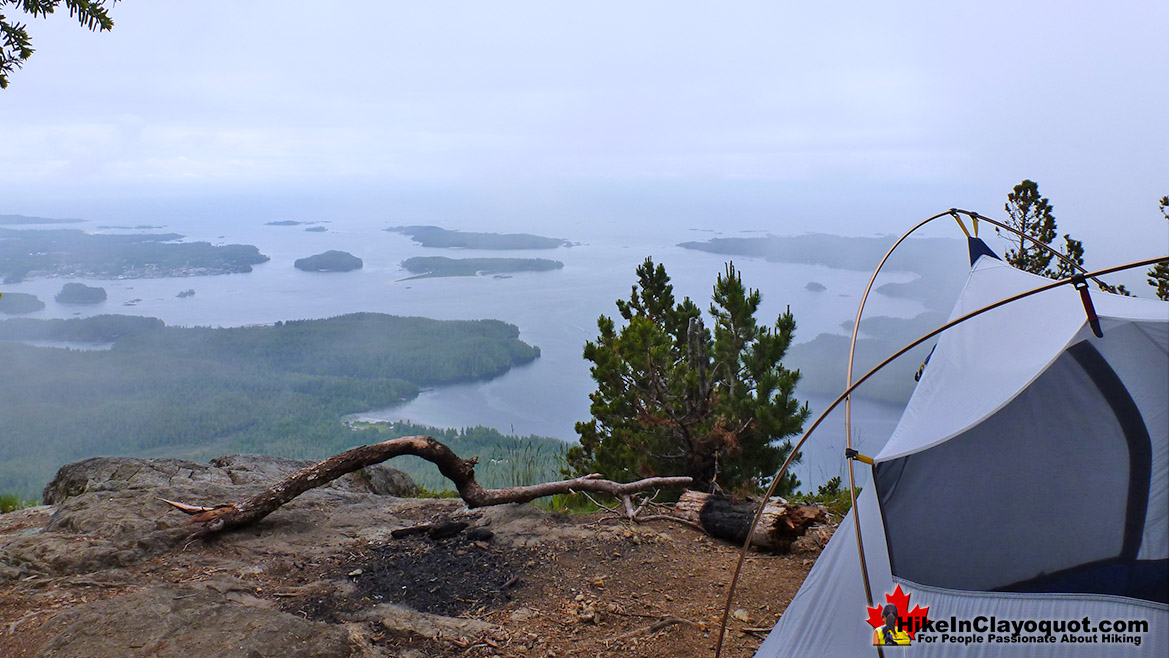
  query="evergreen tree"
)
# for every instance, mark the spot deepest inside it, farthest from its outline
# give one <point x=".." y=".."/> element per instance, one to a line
<point x="1074" y="251"/>
<point x="672" y="398"/>
<point x="1033" y="215"/>
<point x="1159" y="274"/>
<point x="15" y="44"/>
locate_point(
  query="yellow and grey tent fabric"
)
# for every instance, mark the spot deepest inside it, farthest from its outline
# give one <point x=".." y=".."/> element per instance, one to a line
<point x="1028" y="478"/>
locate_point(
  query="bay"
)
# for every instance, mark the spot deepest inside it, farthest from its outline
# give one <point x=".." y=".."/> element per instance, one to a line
<point x="556" y="310"/>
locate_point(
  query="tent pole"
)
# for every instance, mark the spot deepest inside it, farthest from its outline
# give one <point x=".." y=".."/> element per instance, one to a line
<point x="856" y="324"/>
<point x="819" y="419"/>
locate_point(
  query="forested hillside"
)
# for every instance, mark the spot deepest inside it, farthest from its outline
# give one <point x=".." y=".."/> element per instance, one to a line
<point x="201" y="392"/>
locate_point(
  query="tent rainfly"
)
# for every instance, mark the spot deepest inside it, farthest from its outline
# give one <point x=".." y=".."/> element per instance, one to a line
<point x="1023" y="499"/>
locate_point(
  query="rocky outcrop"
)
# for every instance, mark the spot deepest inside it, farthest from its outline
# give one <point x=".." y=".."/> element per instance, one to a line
<point x="106" y="570"/>
<point x="277" y="588"/>
<point x="117" y="473"/>
<point x="213" y="618"/>
<point x="109" y="513"/>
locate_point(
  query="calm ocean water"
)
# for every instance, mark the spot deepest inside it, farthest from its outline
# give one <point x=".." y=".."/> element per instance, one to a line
<point x="555" y="310"/>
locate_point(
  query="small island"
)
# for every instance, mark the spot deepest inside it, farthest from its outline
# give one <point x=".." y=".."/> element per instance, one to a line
<point x="434" y="236"/>
<point x="79" y="293"/>
<point x="815" y="286"/>
<point x="437" y="266"/>
<point x="190" y="292"/>
<point x="316" y="229"/>
<point x="330" y="261"/>
<point x="19" y="303"/>
<point x="293" y="222"/>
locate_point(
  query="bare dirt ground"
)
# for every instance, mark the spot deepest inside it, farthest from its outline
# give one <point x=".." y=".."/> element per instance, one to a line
<point x="526" y="583"/>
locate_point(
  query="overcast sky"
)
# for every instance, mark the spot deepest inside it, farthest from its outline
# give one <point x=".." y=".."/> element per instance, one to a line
<point x="894" y="109"/>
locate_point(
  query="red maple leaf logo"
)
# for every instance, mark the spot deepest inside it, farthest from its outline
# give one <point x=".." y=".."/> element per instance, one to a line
<point x="908" y="620"/>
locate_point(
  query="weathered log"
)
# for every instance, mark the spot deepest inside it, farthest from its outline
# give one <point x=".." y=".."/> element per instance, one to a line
<point x="722" y="517"/>
<point x="459" y="471"/>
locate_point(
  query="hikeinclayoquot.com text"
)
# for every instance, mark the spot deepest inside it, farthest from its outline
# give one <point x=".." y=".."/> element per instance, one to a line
<point x="992" y="630"/>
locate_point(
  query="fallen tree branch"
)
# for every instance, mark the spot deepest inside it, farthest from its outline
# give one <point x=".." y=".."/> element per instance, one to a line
<point x="599" y="505"/>
<point x="459" y="471"/>
<point x="636" y="517"/>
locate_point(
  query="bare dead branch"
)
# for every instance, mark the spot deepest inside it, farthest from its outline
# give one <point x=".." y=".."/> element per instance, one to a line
<point x="599" y="505"/>
<point x="459" y="471"/>
<point x="627" y="506"/>
<point x="645" y="501"/>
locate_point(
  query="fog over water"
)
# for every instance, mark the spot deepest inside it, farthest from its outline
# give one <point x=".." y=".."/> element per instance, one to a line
<point x="625" y="127"/>
<point x="556" y="310"/>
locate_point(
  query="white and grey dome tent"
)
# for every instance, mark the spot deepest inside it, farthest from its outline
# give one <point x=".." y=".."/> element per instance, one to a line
<point x="1028" y="479"/>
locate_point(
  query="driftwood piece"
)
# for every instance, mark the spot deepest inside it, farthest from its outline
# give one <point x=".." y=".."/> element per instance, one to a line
<point x="780" y="525"/>
<point x="459" y="471"/>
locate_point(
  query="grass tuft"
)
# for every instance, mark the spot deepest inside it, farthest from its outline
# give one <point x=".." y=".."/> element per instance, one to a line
<point x="13" y="502"/>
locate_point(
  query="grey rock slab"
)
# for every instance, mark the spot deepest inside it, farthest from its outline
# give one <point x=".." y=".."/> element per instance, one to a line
<point x="185" y="621"/>
<point x="108" y="512"/>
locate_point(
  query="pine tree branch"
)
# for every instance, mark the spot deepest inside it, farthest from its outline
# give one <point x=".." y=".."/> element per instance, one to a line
<point x="15" y="44"/>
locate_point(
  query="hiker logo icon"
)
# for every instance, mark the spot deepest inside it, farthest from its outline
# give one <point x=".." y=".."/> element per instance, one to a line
<point x="894" y="624"/>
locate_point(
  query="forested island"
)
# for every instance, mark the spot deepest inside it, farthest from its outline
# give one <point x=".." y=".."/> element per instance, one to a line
<point x="823" y="361"/>
<point x="79" y="293"/>
<point x="329" y="261"/>
<point x="840" y="252"/>
<point x="940" y="265"/>
<point x="201" y="392"/>
<point x="19" y="303"/>
<point x="437" y="266"/>
<point x="26" y="254"/>
<point x="293" y="222"/>
<point x="434" y="236"/>
<point x="316" y="229"/>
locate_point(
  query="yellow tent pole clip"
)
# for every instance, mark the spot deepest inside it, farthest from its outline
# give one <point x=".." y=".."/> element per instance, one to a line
<point x="960" y="224"/>
<point x="852" y="454"/>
